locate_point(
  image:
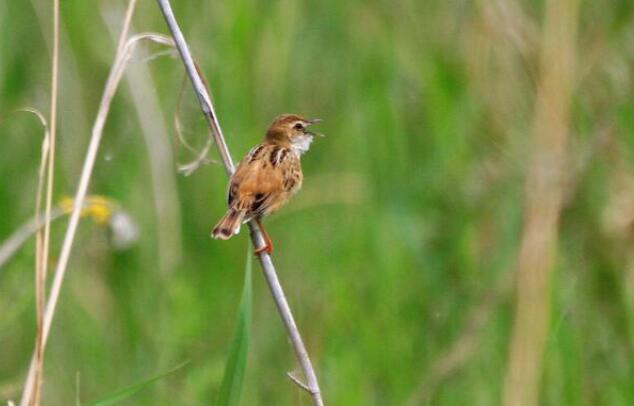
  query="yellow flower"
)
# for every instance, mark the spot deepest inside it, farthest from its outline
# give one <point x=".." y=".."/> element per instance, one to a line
<point x="99" y="208"/>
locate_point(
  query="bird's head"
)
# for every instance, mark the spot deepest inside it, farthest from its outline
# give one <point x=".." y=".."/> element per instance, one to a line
<point x="292" y="130"/>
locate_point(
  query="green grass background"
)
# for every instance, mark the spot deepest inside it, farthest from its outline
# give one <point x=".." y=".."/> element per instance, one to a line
<point x="409" y="218"/>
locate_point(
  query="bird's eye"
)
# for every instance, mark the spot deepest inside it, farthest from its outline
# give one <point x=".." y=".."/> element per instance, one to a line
<point x="298" y="126"/>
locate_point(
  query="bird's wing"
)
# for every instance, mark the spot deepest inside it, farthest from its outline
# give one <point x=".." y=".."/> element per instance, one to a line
<point x="258" y="182"/>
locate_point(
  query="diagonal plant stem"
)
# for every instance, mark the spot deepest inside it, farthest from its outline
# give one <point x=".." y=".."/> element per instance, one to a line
<point x="312" y="385"/>
<point x="11" y="245"/>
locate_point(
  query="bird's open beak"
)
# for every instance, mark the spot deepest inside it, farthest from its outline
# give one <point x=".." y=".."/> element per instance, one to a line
<point x="315" y="121"/>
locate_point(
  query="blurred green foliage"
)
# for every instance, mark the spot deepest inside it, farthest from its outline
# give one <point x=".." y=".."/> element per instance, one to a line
<point x="231" y="388"/>
<point x="408" y="223"/>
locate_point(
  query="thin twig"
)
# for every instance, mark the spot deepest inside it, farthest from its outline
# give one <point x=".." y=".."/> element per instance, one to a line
<point x="40" y="258"/>
<point x="20" y="236"/>
<point x="201" y="157"/>
<point x="256" y="234"/>
<point x="298" y="382"/>
<point x="178" y="127"/>
<point x="43" y="243"/>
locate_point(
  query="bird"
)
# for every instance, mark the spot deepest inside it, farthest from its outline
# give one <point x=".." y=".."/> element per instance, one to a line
<point x="267" y="177"/>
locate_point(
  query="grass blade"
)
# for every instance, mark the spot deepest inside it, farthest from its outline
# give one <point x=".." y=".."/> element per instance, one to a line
<point x="231" y="387"/>
<point x="128" y="391"/>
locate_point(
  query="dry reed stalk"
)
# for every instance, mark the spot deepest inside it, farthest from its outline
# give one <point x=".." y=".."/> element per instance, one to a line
<point x="41" y="255"/>
<point x="156" y="139"/>
<point x="41" y="260"/>
<point x="43" y="242"/>
<point x="198" y="83"/>
<point x="544" y="193"/>
<point x="124" y="50"/>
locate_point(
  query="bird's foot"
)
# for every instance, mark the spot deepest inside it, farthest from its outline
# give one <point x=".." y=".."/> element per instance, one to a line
<point x="268" y="248"/>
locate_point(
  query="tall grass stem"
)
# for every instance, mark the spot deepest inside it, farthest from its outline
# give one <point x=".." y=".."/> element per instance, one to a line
<point x="28" y="394"/>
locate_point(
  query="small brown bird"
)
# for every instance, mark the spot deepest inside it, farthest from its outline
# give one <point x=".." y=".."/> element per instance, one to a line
<point x="267" y="177"/>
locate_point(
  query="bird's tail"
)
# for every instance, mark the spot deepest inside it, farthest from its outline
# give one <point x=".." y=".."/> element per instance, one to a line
<point x="229" y="225"/>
